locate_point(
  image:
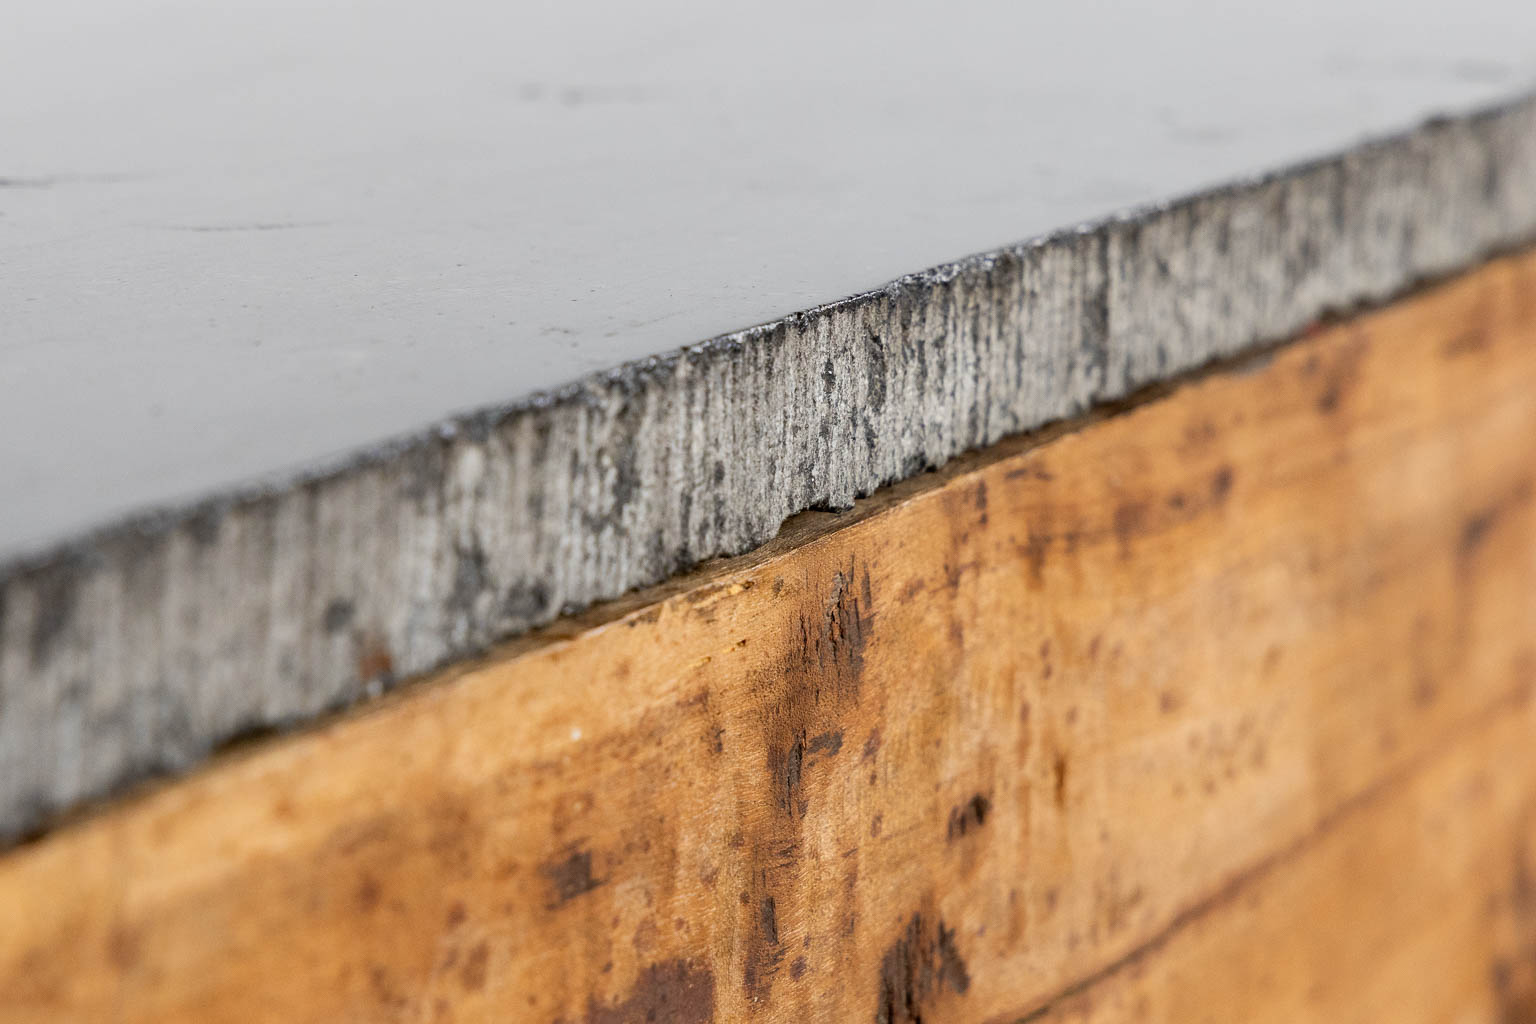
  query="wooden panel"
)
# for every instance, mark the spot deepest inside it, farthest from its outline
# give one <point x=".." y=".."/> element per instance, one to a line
<point x="1220" y="708"/>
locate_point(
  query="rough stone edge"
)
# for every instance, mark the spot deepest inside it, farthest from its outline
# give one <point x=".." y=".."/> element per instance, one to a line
<point x="138" y="649"/>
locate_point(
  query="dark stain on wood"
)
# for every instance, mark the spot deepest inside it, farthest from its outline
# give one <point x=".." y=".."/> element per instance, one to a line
<point x="645" y="617"/>
<point x="1514" y="992"/>
<point x="826" y="744"/>
<point x="1474" y="530"/>
<point x="384" y="989"/>
<point x="922" y="962"/>
<point x="1059" y="780"/>
<point x="1130" y="520"/>
<point x="123" y="948"/>
<point x="1472" y="340"/>
<point x="570" y="876"/>
<point x="764" y="951"/>
<point x="1034" y="550"/>
<point x="674" y="992"/>
<point x="1033" y="471"/>
<point x="835" y="645"/>
<point x="785" y="767"/>
<point x="1476" y="527"/>
<point x="1198" y="436"/>
<point x="804" y="697"/>
<point x="1514" y="974"/>
<point x="1221" y="484"/>
<point x="1339" y="376"/>
<point x="969" y="816"/>
<point x="473" y="973"/>
<point x="368" y="894"/>
<point x="769" y="919"/>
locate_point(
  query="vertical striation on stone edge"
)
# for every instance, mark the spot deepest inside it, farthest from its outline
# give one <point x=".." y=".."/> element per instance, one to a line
<point x="139" y="649"/>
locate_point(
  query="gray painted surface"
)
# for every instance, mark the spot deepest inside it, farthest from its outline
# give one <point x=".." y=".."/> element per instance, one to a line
<point x="260" y="265"/>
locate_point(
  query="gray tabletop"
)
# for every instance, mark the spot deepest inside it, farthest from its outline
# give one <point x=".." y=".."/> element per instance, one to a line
<point x="379" y="304"/>
<point x="247" y="238"/>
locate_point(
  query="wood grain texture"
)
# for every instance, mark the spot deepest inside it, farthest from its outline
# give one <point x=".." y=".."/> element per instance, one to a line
<point x="1218" y="709"/>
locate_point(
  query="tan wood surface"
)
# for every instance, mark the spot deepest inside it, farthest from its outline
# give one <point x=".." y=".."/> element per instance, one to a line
<point x="1216" y="709"/>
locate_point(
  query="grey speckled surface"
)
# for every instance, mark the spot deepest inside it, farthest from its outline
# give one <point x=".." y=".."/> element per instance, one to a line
<point x="265" y="267"/>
